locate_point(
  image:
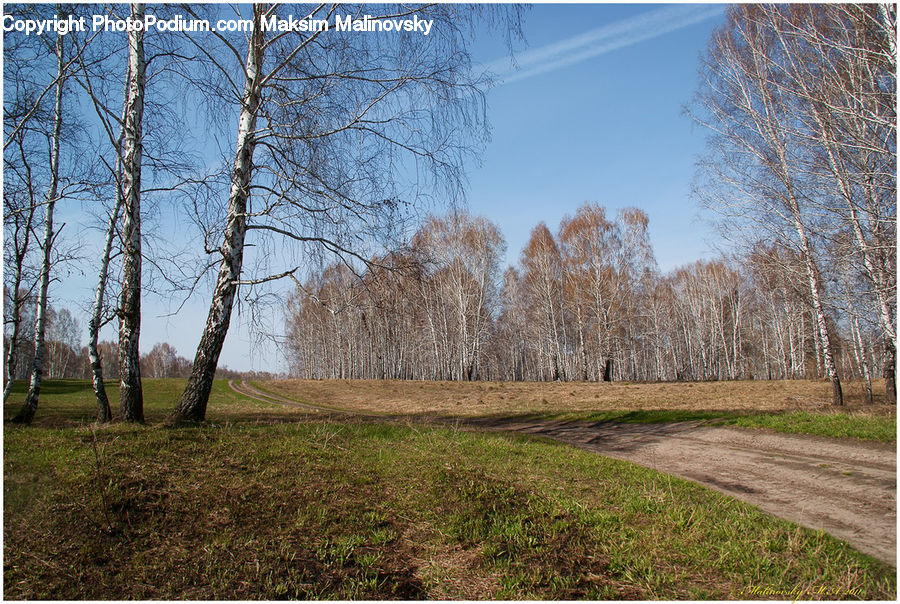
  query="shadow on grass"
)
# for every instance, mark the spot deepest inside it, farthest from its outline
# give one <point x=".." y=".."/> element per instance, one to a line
<point x="613" y="434"/>
<point x="71" y="403"/>
<point x="56" y="387"/>
<point x="646" y="416"/>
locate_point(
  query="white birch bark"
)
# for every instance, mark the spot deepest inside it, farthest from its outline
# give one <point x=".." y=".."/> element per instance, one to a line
<point x="192" y="405"/>
<point x="26" y="414"/>
<point x="104" y="413"/>
<point x="131" y="401"/>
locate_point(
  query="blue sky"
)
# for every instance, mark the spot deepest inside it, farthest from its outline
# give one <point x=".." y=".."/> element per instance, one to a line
<point x="592" y="114"/>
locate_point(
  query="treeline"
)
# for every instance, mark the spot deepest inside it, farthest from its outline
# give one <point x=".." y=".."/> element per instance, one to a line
<point x="800" y="105"/>
<point x="586" y="303"/>
<point x="66" y="358"/>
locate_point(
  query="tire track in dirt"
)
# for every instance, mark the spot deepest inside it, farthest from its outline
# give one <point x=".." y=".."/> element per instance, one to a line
<point x="846" y="487"/>
<point x="251" y="391"/>
<point x="255" y="393"/>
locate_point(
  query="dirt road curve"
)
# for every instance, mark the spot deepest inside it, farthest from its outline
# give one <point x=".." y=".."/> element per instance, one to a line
<point x="846" y="487"/>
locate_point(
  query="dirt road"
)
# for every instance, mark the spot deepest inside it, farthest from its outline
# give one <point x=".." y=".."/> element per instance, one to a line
<point x="845" y="486"/>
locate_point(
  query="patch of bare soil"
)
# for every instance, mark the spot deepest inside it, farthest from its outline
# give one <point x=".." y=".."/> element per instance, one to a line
<point x="449" y="571"/>
<point x="847" y="488"/>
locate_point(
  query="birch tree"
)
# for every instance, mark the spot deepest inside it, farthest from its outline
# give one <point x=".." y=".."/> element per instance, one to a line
<point x="159" y="167"/>
<point x="26" y="413"/>
<point x="25" y="116"/>
<point x="542" y="277"/>
<point x="759" y="155"/>
<point x="461" y="256"/>
<point x="19" y="207"/>
<point x="343" y="121"/>
<point x="104" y="413"/>
<point x="131" y="400"/>
<point x="192" y="405"/>
<point x="590" y="245"/>
<point x="99" y="314"/>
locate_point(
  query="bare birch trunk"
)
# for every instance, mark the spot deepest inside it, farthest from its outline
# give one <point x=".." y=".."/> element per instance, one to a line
<point x="815" y="288"/>
<point x="104" y="413"/>
<point x="890" y="376"/>
<point x="584" y="359"/>
<point x="861" y="359"/>
<point x="131" y="398"/>
<point x="12" y="356"/>
<point x="26" y="414"/>
<point x="192" y="406"/>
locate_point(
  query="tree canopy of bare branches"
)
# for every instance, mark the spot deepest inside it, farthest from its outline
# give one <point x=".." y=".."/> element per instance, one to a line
<point x="800" y="101"/>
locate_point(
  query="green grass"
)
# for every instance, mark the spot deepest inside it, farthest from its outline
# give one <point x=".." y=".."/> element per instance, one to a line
<point x="841" y="425"/>
<point x="344" y="509"/>
<point x="72" y="402"/>
<point x="847" y="424"/>
<point x="368" y="511"/>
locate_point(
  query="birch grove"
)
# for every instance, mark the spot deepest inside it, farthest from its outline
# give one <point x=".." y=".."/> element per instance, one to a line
<point x="801" y="102"/>
<point x="339" y="152"/>
<point x="585" y="304"/>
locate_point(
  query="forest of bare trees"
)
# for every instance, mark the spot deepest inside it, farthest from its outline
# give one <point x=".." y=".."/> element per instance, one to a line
<point x="801" y="170"/>
<point x="586" y="303"/>
<point x="324" y="128"/>
<point x="331" y="146"/>
<point x="66" y="358"/>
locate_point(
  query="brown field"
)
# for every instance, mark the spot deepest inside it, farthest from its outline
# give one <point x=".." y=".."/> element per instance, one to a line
<point x="469" y="399"/>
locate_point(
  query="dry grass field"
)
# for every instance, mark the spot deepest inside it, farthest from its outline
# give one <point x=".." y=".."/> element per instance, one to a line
<point x="470" y="399"/>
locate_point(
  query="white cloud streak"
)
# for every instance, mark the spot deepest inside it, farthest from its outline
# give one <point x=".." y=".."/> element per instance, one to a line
<point x="599" y="41"/>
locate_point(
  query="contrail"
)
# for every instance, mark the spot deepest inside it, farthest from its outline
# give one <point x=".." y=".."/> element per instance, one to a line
<point x="599" y="41"/>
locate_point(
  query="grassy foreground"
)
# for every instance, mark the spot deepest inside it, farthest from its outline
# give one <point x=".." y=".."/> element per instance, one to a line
<point x="277" y="504"/>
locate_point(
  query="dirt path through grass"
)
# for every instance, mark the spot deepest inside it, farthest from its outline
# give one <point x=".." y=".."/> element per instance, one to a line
<point x="251" y="391"/>
<point x="846" y="487"/>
